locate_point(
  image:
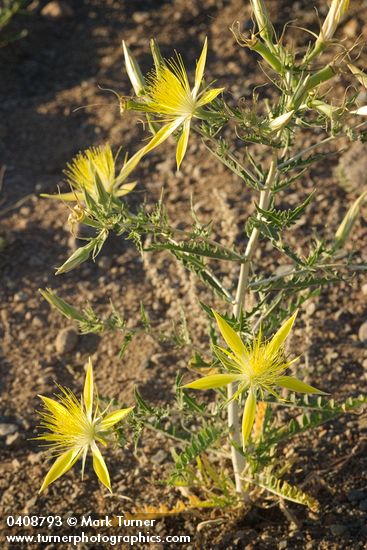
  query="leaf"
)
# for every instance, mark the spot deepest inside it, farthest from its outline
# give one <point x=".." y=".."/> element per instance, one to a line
<point x="283" y="489"/>
<point x="198" y="444"/>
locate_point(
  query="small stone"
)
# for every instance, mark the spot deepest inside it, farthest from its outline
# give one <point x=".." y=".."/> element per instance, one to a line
<point x="105" y="262"/>
<point x="363" y="505"/>
<point x="20" y="296"/>
<point x="140" y="16"/>
<point x="337" y="529"/>
<point x="37" y="322"/>
<point x="8" y="429"/>
<point x="57" y="10"/>
<point x="362" y="333"/>
<point x="159" y="457"/>
<point x="33" y="458"/>
<point x="12" y="438"/>
<point x="25" y="211"/>
<point x="364" y="289"/>
<point x="350" y="29"/>
<point x="66" y="340"/>
<point x="282" y="545"/>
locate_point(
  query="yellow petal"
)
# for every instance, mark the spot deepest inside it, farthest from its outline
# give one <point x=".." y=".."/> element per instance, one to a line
<point x="280" y="336"/>
<point x="125" y="189"/>
<point x="248" y="416"/>
<point x="163" y="134"/>
<point x="291" y="383"/>
<point x="199" y="73"/>
<point x="100" y="467"/>
<point x="67" y="197"/>
<point x="231" y="337"/>
<point x="156" y="140"/>
<point x="182" y="143"/>
<point x="114" y="417"/>
<point x="213" y="381"/>
<point x="208" y="96"/>
<point x="88" y="390"/>
<point x="53" y="406"/>
<point x="61" y="465"/>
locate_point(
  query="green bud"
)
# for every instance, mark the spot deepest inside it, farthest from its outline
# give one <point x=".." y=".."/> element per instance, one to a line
<point x="360" y="75"/>
<point x="266" y="29"/>
<point x="78" y="257"/>
<point x="281" y="121"/>
<point x="346" y="226"/>
<point x="62" y="306"/>
<point x="133" y="71"/>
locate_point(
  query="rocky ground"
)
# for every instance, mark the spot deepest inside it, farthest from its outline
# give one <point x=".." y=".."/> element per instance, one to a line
<point x="52" y="105"/>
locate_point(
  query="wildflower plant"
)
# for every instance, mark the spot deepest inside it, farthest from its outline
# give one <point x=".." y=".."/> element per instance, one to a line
<point x="250" y="373"/>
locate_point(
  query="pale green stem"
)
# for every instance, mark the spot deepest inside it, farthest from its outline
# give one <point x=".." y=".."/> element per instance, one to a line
<point x="238" y="460"/>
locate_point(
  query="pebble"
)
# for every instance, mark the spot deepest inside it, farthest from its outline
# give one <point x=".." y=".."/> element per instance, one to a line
<point x="364" y="289"/>
<point x="362" y="333"/>
<point x="57" y="10"/>
<point x="20" y="296"/>
<point x="12" y="438"/>
<point x="105" y="262"/>
<point x="37" y="322"/>
<point x="282" y="545"/>
<point x="159" y="457"/>
<point x="8" y="429"/>
<point x="66" y="340"/>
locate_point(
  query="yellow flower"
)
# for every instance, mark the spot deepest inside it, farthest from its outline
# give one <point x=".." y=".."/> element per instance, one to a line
<point x="74" y="429"/>
<point x="168" y="95"/>
<point x="94" y="166"/>
<point x="257" y="367"/>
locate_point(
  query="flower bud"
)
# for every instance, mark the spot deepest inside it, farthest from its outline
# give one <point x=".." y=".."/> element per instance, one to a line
<point x="261" y="15"/>
<point x="62" y="306"/>
<point x="133" y="71"/>
<point x="336" y="13"/>
<point x="346" y="226"/>
<point x="281" y="121"/>
<point x="360" y="75"/>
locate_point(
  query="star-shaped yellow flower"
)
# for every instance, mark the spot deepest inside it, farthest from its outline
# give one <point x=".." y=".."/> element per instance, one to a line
<point x="74" y="429"/>
<point x="257" y="368"/>
<point x="167" y="94"/>
<point x="94" y="166"/>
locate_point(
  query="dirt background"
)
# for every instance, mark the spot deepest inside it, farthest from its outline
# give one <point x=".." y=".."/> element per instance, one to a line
<point x="60" y="66"/>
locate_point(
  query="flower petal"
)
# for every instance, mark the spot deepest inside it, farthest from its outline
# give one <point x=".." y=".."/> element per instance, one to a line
<point x="279" y="337"/>
<point x="72" y="196"/>
<point x="213" y="381"/>
<point x="200" y="66"/>
<point x="182" y="143"/>
<point x="125" y="189"/>
<point x="55" y="408"/>
<point x="231" y="337"/>
<point x="88" y="390"/>
<point x="208" y="96"/>
<point x="248" y="416"/>
<point x="100" y="467"/>
<point x="61" y="465"/>
<point x="114" y="417"/>
<point x="291" y="383"/>
<point x="158" y="138"/>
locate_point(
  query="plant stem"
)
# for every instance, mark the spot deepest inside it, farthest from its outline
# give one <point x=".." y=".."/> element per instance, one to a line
<point x="233" y="413"/>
